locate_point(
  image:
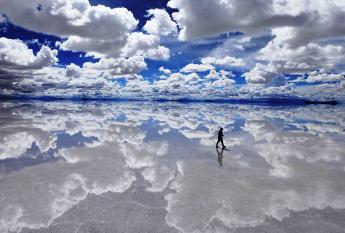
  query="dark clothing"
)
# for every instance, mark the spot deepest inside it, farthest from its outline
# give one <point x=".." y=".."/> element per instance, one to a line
<point x="220" y="135"/>
<point x="220" y="138"/>
<point x="220" y="141"/>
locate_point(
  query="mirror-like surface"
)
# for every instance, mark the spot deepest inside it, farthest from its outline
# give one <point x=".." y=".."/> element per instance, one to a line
<point x="153" y="167"/>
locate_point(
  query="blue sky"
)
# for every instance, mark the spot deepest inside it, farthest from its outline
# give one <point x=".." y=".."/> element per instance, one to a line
<point x="172" y="49"/>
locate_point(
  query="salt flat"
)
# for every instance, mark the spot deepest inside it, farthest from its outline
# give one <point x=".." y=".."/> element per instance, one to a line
<point x="153" y="167"/>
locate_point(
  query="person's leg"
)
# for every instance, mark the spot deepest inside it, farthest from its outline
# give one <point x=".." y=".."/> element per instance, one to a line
<point x="217" y="143"/>
<point x="222" y="143"/>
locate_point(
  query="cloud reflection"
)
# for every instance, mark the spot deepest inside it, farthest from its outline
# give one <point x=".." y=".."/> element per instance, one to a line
<point x="281" y="160"/>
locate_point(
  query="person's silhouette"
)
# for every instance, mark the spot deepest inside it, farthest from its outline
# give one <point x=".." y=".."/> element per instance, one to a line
<point x="220" y="156"/>
<point x="220" y="137"/>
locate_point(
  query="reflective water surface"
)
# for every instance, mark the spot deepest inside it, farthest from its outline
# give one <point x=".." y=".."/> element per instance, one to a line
<point x="153" y="167"/>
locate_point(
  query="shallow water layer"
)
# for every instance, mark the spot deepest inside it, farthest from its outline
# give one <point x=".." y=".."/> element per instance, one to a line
<point x="153" y="167"/>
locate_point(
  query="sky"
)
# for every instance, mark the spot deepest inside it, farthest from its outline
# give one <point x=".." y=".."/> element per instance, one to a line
<point x="172" y="49"/>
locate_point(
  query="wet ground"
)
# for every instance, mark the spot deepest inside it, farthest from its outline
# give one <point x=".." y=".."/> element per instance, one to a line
<point x="153" y="167"/>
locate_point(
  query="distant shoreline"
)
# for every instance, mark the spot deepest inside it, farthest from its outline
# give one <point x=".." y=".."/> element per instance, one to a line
<point x="251" y="101"/>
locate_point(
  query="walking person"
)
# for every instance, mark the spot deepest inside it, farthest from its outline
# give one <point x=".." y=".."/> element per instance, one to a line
<point x="220" y="137"/>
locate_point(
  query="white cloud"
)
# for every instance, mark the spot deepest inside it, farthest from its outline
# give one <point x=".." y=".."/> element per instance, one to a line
<point x="67" y="82"/>
<point x="264" y="90"/>
<point x="134" y="44"/>
<point x="136" y="86"/>
<point x="15" y="55"/>
<point x="325" y="91"/>
<point x="218" y="75"/>
<point x="260" y="74"/>
<point x="207" y="18"/>
<point x="160" y="23"/>
<point x="178" y="84"/>
<point x="321" y="14"/>
<point x="94" y="47"/>
<point x="66" y="18"/>
<point x="305" y="37"/>
<point x="140" y="44"/>
<point x="280" y="38"/>
<point x="301" y="59"/>
<point x="225" y="61"/>
<point x="190" y="68"/>
<point x="164" y="70"/>
<point x="119" y="66"/>
<point x="98" y="30"/>
<point x="279" y="58"/>
<point x="321" y="77"/>
<point x="212" y="75"/>
<point x="223" y="82"/>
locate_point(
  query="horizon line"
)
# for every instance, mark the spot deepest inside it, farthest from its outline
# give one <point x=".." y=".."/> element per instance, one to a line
<point x="254" y="101"/>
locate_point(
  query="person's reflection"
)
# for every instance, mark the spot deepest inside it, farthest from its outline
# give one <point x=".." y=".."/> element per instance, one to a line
<point x="220" y="155"/>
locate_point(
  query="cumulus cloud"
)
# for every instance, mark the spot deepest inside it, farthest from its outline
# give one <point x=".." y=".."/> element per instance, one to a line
<point x="277" y="40"/>
<point x="220" y="80"/>
<point x="71" y="81"/>
<point x="99" y="31"/>
<point x="207" y="17"/>
<point x="315" y="76"/>
<point x="225" y="62"/>
<point x="70" y="18"/>
<point x="19" y="63"/>
<point x="136" y="86"/>
<point x="119" y="66"/>
<point x="160" y="23"/>
<point x="279" y="58"/>
<point x="190" y="68"/>
<point x="260" y="74"/>
<point x="297" y="45"/>
<point x="321" y="14"/>
<point x="140" y="44"/>
<point x="94" y="47"/>
<point x="324" y="91"/>
<point x="212" y="75"/>
<point x="223" y="82"/>
<point x="178" y="84"/>
<point x="217" y="75"/>
<point x="15" y="55"/>
<point x="302" y="59"/>
<point x="133" y="44"/>
<point x="164" y="70"/>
